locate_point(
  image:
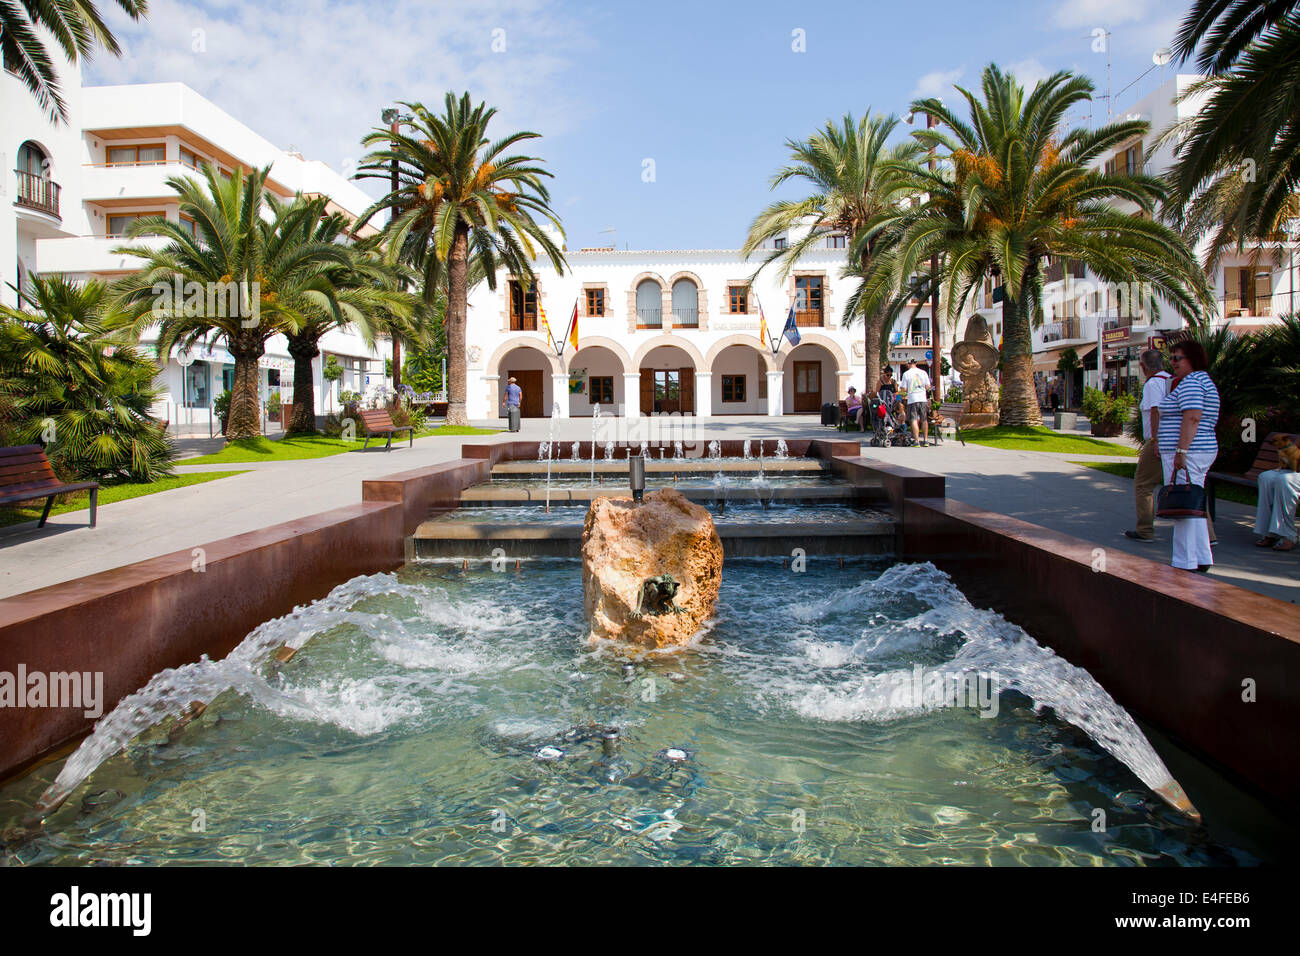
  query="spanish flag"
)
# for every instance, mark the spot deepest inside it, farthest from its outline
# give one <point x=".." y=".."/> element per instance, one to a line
<point x="762" y="326"/>
<point x="573" y="327"/>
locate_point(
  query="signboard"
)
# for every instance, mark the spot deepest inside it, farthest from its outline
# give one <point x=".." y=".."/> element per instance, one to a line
<point x="1157" y="342"/>
<point x="1114" y="338"/>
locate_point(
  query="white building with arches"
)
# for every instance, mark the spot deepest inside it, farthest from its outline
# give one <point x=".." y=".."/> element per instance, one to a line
<point x="672" y="331"/>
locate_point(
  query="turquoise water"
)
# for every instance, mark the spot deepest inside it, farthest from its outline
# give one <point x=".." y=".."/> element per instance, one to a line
<point x="444" y="716"/>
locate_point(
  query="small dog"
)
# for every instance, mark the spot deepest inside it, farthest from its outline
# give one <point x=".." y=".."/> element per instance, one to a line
<point x="1288" y="455"/>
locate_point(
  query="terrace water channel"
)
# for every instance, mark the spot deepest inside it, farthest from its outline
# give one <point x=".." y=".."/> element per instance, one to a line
<point x="454" y="712"/>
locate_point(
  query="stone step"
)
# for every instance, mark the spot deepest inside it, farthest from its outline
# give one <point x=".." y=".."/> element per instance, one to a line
<point x="481" y="495"/>
<point x="442" y="539"/>
<point x="654" y="466"/>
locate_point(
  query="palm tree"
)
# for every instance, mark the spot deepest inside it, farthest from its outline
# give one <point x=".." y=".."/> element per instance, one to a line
<point x="65" y="383"/>
<point x="76" y="26"/>
<point x="367" y="296"/>
<point x="1239" y="157"/>
<point x="459" y="199"/>
<point x="244" y="278"/>
<point x="1010" y="191"/>
<point x="856" y="185"/>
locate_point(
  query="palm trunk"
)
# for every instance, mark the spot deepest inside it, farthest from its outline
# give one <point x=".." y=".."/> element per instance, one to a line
<point x="303" y="349"/>
<point x="457" y="368"/>
<point x="245" y="419"/>
<point x="875" y="325"/>
<point x="1019" y="402"/>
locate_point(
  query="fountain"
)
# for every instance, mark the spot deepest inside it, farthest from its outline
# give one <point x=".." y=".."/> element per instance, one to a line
<point x="715" y="449"/>
<point x="595" y="420"/>
<point x="749" y="455"/>
<point x="609" y="451"/>
<point x="645" y="450"/>
<point x="575" y="454"/>
<point x="543" y="450"/>
<point x="782" y="450"/>
<point x="677" y="450"/>
<point x="550" y="445"/>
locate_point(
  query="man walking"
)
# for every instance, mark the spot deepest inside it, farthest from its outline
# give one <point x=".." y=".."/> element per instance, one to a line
<point x="916" y="385"/>
<point x="1150" y="473"/>
<point x="514" y="395"/>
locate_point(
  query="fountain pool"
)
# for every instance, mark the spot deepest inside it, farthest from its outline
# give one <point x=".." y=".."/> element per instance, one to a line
<point x="441" y="715"/>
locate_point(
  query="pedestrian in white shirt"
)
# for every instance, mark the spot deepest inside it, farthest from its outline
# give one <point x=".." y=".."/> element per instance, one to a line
<point x="916" y="386"/>
<point x="1149" y="473"/>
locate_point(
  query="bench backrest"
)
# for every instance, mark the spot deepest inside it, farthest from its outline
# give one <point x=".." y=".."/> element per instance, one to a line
<point x="377" y="419"/>
<point x="953" y="410"/>
<point x="25" y="468"/>
<point x="1267" y="459"/>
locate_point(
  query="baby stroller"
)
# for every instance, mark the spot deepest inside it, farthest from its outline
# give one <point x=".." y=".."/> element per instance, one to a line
<point x="889" y="427"/>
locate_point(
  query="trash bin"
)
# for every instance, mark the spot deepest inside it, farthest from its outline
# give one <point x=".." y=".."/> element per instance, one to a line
<point x="512" y="413"/>
<point x="830" y="414"/>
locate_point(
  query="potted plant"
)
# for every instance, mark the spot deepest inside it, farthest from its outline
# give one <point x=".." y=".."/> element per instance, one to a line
<point x="273" y="407"/>
<point x="1107" y="414"/>
<point x="221" y="407"/>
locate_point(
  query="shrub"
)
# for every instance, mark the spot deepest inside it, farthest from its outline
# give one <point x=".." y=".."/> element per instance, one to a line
<point x="1109" y="411"/>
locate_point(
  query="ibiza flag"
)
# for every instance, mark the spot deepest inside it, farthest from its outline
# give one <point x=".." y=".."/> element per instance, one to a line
<point x="791" y="331"/>
<point x="573" y="327"/>
<point x="763" y="335"/>
<point x="546" y="325"/>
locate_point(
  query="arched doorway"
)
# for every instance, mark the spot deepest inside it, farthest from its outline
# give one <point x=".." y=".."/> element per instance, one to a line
<point x="739" y="379"/>
<point x="532" y="369"/>
<point x="596" y="379"/>
<point x="667" y="381"/>
<point x="810" y="379"/>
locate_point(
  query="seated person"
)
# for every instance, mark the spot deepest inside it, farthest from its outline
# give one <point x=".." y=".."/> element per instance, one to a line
<point x="854" y="404"/>
<point x="1279" y="489"/>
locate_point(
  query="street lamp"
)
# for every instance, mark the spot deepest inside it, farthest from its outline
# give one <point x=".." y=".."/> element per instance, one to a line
<point x="394" y="118"/>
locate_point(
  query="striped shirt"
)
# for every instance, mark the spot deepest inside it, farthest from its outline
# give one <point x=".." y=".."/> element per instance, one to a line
<point x="1193" y="391"/>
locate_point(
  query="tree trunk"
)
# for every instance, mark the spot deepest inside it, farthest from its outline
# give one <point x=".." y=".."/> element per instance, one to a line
<point x="1019" y="402"/>
<point x="245" y="419"/>
<point x="457" y="363"/>
<point x="303" y="349"/>
<point x="874" y="324"/>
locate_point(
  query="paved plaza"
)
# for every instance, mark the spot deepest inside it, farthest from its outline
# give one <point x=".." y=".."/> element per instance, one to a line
<point x="1042" y="488"/>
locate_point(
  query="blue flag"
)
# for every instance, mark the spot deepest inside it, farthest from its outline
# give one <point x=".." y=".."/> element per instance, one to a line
<point x="791" y="331"/>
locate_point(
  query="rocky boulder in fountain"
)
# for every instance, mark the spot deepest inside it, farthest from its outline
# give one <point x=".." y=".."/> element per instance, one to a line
<point x="629" y="548"/>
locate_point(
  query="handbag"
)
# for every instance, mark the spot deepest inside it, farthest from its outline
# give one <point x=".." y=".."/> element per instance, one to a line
<point x="1180" y="501"/>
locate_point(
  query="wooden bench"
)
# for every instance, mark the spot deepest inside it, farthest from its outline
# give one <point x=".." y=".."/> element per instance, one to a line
<point x="26" y="475"/>
<point x="1266" y="460"/>
<point x="953" y="412"/>
<point x="847" y="421"/>
<point x="379" y="423"/>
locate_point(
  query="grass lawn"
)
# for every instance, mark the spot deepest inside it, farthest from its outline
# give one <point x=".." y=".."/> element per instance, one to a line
<point x="1244" y="496"/>
<point x="310" y="446"/>
<point x="1038" y="438"/>
<point x="80" y="500"/>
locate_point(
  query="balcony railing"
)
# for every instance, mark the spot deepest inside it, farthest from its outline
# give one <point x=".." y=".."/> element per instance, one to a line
<point x="919" y="340"/>
<point x="650" y="318"/>
<point x="686" y="318"/>
<point x="38" y="193"/>
<point x="1063" y="329"/>
<point x="1277" y="303"/>
<point x="810" y="318"/>
<point x="523" y="323"/>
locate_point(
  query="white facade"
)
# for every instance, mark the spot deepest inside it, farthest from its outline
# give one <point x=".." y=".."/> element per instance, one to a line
<point x="662" y="333"/>
<point x="110" y="162"/>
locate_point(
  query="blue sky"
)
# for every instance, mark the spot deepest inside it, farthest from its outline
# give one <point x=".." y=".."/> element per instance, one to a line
<point x="708" y="90"/>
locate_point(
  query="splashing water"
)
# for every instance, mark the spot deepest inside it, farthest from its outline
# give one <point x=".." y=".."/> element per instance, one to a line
<point x="550" y="447"/>
<point x="609" y="451"/>
<point x="782" y="449"/>
<point x="715" y="449"/>
<point x="677" y="451"/>
<point x="543" y="451"/>
<point x="992" y="646"/>
<point x="748" y="453"/>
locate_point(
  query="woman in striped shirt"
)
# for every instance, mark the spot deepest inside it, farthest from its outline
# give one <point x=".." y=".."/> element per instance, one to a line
<point x="1188" y="414"/>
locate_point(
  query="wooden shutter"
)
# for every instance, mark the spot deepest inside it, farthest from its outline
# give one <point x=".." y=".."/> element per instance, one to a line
<point x="647" y="391"/>
<point x="688" y="391"/>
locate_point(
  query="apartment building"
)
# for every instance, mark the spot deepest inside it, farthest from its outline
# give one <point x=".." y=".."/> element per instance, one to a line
<point x="674" y="331"/>
<point x="77" y="187"/>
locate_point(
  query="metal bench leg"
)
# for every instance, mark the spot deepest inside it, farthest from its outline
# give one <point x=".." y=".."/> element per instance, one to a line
<point x="389" y="445"/>
<point x="411" y="435"/>
<point x="49" y="503"/>
<point x="94" y="503"/>
<point x="366" y="443"/>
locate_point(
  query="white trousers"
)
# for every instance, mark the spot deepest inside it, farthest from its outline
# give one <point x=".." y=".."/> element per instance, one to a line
<point x="1191" y="535"/>
<point x="1278" y="491"/>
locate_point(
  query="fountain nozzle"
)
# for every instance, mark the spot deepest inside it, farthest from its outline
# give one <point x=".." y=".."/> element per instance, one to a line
<point x="609" y="742"/>
<point x="636" y="477"/>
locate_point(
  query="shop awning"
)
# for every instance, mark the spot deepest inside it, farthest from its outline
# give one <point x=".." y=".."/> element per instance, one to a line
<point x="1046" y="361"/>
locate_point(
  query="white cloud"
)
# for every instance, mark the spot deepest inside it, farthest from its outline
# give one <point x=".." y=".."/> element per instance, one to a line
<point x="938" y="83"/>
<point x="1029" y="72"/>
<point x="1100" y="13"/>
<point x="317" y="74"/>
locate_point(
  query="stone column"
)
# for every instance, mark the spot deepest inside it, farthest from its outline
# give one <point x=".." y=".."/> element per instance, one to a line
<point x="775" y="393"/>
<point x="631" y="394"/>
<point x="560" y="393"/>
<point x="492" y="386"/>
<point x="703" y="394"/>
